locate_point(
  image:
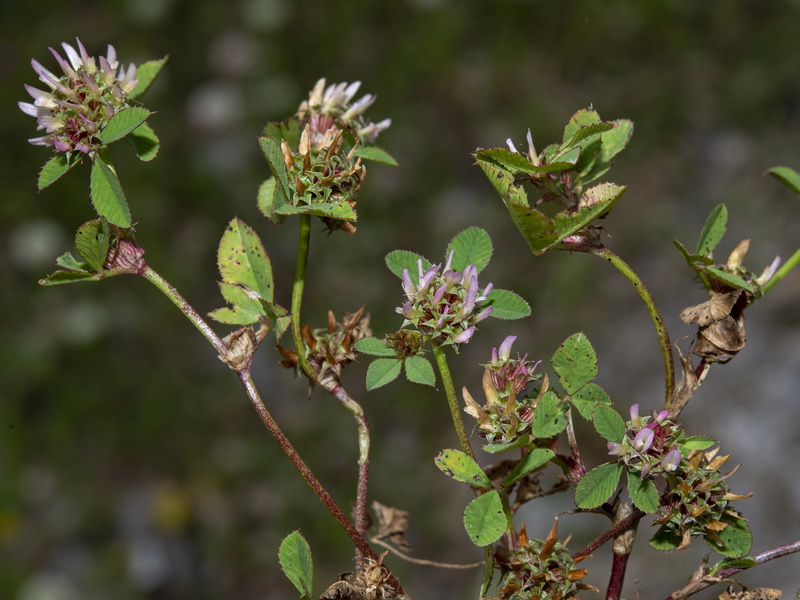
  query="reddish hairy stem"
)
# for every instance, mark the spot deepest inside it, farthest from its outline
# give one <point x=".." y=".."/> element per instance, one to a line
<point x="300" y="465"/>
<point x="361" y="517"/>
<point x="611" y="533"/>
<point x="617" y="578"/>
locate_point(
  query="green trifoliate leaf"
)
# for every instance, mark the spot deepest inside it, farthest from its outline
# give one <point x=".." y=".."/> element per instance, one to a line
<point x="282" y="195"/>
<point x="246" y="309"/>
<point x="575" y="362"/>
<point x="787" y="176"/>
<point x="665" y="539"/>
<point x="338" y="209"/>
<point x="68" y="261"/>
<point x="473" y="246"/>
<point x="609" y="423"/>
<point x="732" y="280"/>
<point x="403" y="259"/>
<point x="146" y="74"/>
<point x="598" y="485"/>
<point x="122" y="123"/>
<point x="615" y="140"/>
<point x="643" y="493"/>
<point x="736" y="538"/>
<point x="288" y="130"/>
<point x="713" y="230"/>
<point x="589" y="397"/>
<point x="107" y="195"/>
<point x="549" y="418"/>
<point x="61" y="277"/>
<point x="507" y="305"/>
<point x="484" y="519"/>
<point x="265" y="200"/>
<point x="532" y="460"/>
<point x="744" y="562"/>
<point x="524" y="440"/>
<point x="583" y="118"/>
<point x="382" y="371"/>
<point x="144" y="142"/>
<point x="375" y="154"/>
<point x="374" y="346"/>
<point x="92" y="241"/>
<point x="243" y="261"/>
<point x="512" y="162"/>
<point x="696" y="442"/>
<point x="296" y="562"/>
<point x="55" y="168"/>
<point x="584" y="132"/>
<point x="461" y="467"/>
<point x="419" y="370"/>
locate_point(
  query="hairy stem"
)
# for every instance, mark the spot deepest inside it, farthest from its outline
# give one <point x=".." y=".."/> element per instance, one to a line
<point x="655" y="314"/>
<point x="452" y="400"/>
<point x="361" y="516"/>
<point x="300" y="465"/>
<point x="303" y="244"/>
<point x="187" y="310"/>
<point x="698" y="584"/>
<point x="618" y="528"/>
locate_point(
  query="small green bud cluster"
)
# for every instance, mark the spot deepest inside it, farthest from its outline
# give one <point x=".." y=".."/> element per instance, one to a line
<point x="446" y="306"/>
<point x="698" y="499"/>
<point x="322" y="173"/>
<point x="80" y="102"/>
<point x="508" y="411"/>
<point x="540" y="570"/>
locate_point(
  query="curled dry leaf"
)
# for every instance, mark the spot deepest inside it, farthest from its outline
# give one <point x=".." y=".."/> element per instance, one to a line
<point x="239" y="348"/>
<point x="721" y="326"/>
<point x="392" y="524"/>
<point x="754" y="594"/>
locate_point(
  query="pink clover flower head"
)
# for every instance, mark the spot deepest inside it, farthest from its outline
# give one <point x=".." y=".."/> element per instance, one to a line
<point x="444" y="305"/>
<point x="80" y="102"/>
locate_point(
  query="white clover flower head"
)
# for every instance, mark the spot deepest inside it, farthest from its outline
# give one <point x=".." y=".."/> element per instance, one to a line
<point x="81" y="101"/>
<point x="334" y="105"/>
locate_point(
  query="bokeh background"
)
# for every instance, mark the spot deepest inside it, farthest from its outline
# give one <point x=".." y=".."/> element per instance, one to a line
<point x="131" y="465"/>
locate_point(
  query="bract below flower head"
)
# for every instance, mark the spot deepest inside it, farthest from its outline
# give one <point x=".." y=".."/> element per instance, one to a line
<point x="81" y="101"/>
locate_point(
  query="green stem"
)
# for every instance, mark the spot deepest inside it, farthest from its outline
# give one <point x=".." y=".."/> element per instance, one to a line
<point x="187" y="310"/>
<point x="655" y="314"/>
<point x="297" y="294"/>
<point x="782" y="272"/>
<point x="452" y="400"/>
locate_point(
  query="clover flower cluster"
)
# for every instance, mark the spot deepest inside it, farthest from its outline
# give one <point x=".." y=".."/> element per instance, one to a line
<point x="321" y="173"/>
<point x="446" y="306"/>
<point x="508" y="412"/>
<point x="80" y="102"/>
<point x="333" y="106"/>
<point x="540" y="570"/>
<point x="698" y="500"/>
<point x="650" y="444"/>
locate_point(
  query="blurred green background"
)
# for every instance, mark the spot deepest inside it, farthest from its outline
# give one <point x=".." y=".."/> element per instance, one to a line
<point x="132" y="467"/>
